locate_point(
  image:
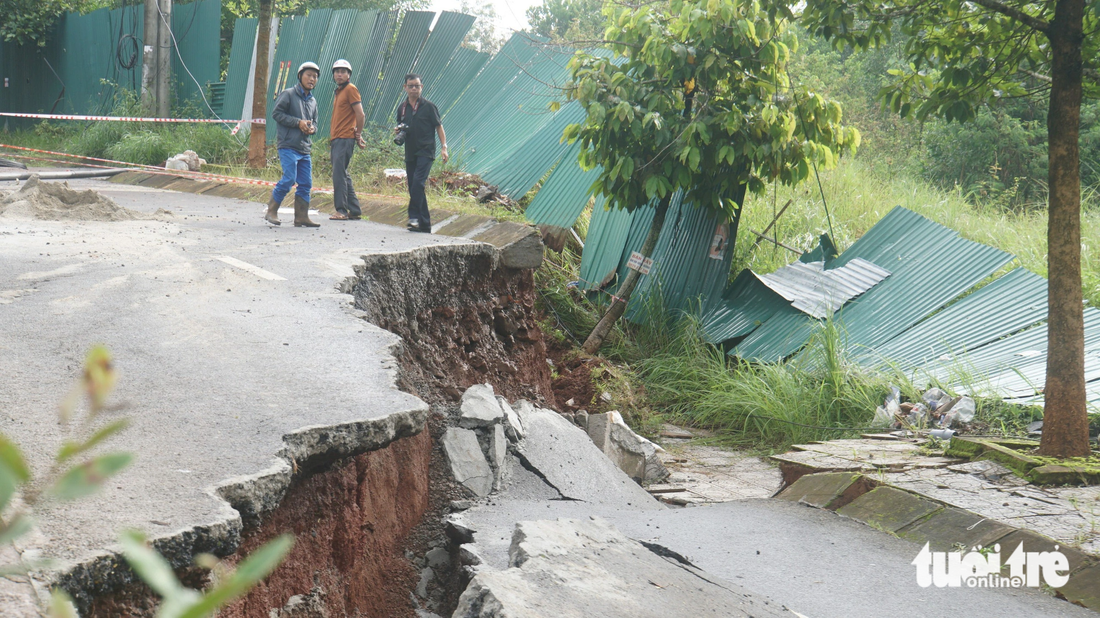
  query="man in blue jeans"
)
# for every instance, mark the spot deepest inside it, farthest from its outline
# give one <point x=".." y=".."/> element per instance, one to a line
<point x="421" y="119"/>
<point x="296" y="114"/>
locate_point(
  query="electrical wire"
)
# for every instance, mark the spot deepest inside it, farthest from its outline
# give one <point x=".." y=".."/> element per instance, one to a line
<point x="175" y="45"/>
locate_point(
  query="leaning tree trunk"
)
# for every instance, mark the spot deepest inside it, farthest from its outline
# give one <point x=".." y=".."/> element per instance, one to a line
<point x="622" y="297"/>
<point x="257" y="141"/>
<point x="1065" y="419"/>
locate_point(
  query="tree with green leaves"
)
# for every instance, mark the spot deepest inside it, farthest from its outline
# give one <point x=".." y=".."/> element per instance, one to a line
<point x="965" y="54"/>
<point x="696" y="99"/>
<point x="567" y="20"/>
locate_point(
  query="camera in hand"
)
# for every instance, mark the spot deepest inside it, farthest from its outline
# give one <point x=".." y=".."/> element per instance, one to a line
<point x="399" y="137"/>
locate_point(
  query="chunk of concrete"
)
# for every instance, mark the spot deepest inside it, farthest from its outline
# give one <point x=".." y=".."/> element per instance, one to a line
<point x="468" y="463"/>
<point x="479" y="407"/>
<point x="573" y="568"/>
<point x="513" y="427"/>
<point x="825" y="490"/>
<point x="498" y="455"/>
<point x="566" y="459"/>
<point x="889" y="509"/>
<point x="633" y="454"/>
<point x="951" y="527"/>
<point x="520" y="245"/>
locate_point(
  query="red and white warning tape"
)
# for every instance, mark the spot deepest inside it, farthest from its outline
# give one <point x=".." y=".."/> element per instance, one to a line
<point x="128" y="118"/>
<point x="157" y="170"/>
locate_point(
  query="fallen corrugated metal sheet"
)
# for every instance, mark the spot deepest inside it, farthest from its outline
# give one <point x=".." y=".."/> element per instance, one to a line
<point x="603" y="249"/>
<point x="819" y="292"/>
<point x="1014" y="302"/>
<point x="410" y="38"/>
<point x="463" y="66"/>
<point x="911" y="247"/>
<point x="688" y="272"/>
<point x="517" y="174"/>
<point x="565" y="194"/>
<point x="447" y="34"/>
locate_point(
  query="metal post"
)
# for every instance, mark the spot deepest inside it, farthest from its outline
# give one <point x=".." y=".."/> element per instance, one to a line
<point x="164" y="57"/>
<point x="149" y="58"/>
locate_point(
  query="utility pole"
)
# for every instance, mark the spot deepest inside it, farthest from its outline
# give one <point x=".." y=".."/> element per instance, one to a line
<point x="257" y="141"/>
<point x="150" y="46"/>
<point x="164" y="57"/>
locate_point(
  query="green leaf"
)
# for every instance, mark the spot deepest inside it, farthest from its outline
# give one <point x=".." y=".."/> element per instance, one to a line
<point x="87" y="477"/>
<point x="555" y="106"/>
<point x="69" y="449"/>
<point x="13" y="471"/>
<point x="150" y="566"/>
<point x="256" y="567"/>
<point x="17" y="527"/>
<point x="61" y="605"/>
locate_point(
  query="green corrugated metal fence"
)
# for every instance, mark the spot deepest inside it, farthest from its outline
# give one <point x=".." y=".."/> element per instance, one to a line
<point x="240" y="64"/>
<point x="83" y="57"/>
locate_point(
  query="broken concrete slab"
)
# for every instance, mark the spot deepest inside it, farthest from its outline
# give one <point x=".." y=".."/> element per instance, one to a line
<point x="889" y="509"/>
<point x="520" y="245"/>
<point x="572" y="568"/>
<point x="467" y="462"/>
<point x="479" y="407"/>
<point x="951" y="528"/>
<point x="564" y="456"/>
<point x="513" y="427"/>
<point x="498" y="455"/>
<point x="1038" y="543"/>
<point x="826" y="490"/>
<point x="633" y="454"/>
<point x="1083" y="588"/>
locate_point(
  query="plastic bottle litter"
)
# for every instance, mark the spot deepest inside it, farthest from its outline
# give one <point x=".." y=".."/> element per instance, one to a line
<point x="934" y="398"/>
<point x="961" y="412"/>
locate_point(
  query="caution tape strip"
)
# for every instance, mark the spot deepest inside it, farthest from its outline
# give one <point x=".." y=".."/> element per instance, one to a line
<point x="158" y="170"/>
<point x="129" y="118"/>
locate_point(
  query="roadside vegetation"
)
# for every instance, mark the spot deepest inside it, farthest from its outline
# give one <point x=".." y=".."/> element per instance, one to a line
<point x="985" y="179"/>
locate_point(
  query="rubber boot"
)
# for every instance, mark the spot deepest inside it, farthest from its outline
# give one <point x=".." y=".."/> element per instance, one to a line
<point x="301" y="213"/>
<point x="272" y="215"/>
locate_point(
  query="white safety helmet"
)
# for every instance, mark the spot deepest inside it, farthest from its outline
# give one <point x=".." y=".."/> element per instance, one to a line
<point x="341" y="64"/>
<point x="308" y="65"/>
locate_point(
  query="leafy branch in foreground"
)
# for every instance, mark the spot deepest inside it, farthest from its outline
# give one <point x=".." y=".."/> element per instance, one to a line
<point x="67" y="480"/>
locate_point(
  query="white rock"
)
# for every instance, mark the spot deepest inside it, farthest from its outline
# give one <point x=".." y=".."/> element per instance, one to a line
<point x="468" y="463"/>
<point x="513" y="427"/>
<point x="633" y="454"/>
<point x="480" y="407"/>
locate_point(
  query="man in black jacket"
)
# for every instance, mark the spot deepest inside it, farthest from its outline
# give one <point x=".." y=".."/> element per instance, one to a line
<point x="421" y="118"/>
<point x="296" y="113"/>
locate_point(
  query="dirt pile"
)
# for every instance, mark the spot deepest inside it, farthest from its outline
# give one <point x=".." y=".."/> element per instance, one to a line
<point x="48" y="201"/>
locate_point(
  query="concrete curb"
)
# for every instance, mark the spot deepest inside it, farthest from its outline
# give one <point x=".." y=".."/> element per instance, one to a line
<point x="917" y="518"/>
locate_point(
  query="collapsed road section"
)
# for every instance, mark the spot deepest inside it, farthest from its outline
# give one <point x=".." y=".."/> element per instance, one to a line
<point x="260" y="401"/>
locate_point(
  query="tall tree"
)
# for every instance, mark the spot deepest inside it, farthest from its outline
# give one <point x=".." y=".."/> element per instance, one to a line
<point x="29" y="22"/>
<point x="965" y="53"/>
<point x="696" y="99"/>
<point x="257" y="139"/>
<point x="567" y="20"/>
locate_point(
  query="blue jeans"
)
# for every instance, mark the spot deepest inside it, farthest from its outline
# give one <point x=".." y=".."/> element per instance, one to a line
<point x="297" y="168"/>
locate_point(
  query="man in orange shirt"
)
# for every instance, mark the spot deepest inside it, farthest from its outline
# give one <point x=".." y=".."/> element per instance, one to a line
<point x="346" y="132"/>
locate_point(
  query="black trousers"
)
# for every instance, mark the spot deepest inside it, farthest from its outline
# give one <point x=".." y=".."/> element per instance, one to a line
<point x="343" y="194"/>
<point x="417" y="170"/>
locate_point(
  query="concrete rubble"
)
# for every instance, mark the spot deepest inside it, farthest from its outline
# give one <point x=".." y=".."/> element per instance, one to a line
<point x="585" y="567"/>
<point x="632" y="453"/>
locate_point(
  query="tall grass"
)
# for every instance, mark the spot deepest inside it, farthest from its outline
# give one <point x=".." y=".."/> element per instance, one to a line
<point x="858" y="197"/>
<point x="770" y="406"/>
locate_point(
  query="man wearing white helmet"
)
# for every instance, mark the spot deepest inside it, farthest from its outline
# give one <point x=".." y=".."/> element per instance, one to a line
<point x="346" y="131"/>
<point x="296" y="114"/>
